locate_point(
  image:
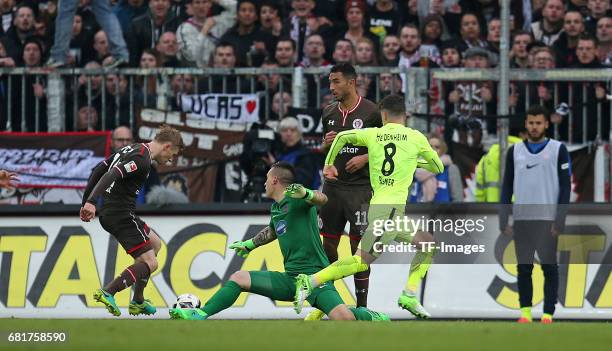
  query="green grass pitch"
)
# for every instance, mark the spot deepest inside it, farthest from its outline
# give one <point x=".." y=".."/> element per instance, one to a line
<point x="248" y="335"/>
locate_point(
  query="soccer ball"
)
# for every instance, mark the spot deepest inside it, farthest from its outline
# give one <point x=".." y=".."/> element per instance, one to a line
<point x="187" y="301"/>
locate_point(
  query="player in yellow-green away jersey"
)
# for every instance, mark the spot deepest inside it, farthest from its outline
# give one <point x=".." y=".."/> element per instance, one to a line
<point x="395" y="152"/>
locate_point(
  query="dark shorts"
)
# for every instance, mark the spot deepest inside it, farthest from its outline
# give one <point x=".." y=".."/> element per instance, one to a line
<point x="130" y="231"/>
<point x="534" y="236"/>
<point x="280" y="286"/>
<point x="344" y="204"/>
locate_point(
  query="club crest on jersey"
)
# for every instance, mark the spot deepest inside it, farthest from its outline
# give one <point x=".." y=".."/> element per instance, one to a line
<point x="357" y="124"/>
<point x="281" y="228"/>
<point x="130" y="166"/>
<point x="330" y="122"/>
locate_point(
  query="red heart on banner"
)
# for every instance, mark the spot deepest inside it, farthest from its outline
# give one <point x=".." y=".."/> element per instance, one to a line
<point x="250" y="106"/>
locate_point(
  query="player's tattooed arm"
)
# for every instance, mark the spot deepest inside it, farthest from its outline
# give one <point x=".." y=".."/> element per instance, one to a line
<point x="319" y="199"/>
<point x="265" y="236"/>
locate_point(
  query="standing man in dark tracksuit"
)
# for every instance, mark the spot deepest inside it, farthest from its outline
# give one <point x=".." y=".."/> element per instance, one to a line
<point x="538" y="174"/>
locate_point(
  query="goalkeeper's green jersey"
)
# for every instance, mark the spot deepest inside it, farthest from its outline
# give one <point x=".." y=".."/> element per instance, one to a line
<point x="394" y="152"/>
<point x="297" y="229"/>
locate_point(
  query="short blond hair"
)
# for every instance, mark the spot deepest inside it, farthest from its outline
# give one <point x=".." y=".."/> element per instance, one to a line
<point x="168" y="134"/>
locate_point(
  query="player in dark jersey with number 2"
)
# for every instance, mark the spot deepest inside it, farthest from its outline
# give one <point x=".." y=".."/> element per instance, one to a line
<point x="118" y="179"/>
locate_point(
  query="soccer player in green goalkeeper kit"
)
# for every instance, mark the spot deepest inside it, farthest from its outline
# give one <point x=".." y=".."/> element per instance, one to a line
<point x="294" y="224"/>
<point x="395" y="151"/>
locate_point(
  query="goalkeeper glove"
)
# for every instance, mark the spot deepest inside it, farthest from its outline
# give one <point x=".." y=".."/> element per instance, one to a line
<point x="298" y="191"/>
<point x="243" y="248"/>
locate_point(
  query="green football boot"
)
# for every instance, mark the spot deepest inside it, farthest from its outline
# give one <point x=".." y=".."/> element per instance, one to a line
<point x="191" y="314"/>
<point x="108" y="300"/>
<point x="303" y="289"/>
<point x="411" y="304"/>
<point x="146" y="307"/>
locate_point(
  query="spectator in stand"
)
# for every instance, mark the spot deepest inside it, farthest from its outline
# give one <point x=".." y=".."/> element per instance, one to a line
<point x="250" y="42"/>
<point x="365" y="54"/>
<point x="5" y="61"/>
<point x="519" y="56"/>
<point x="80" y="49"/>
<point x="197" y="36"/>
<point x="431" y="32"/>
<point x="126" y="11"/>
<point x="7" y="8"/>
<point x="148" y="28"/>
<point x="302" y="22"/>
<point x="16" y="36"/>
<point x="121" y="137"/>
<point x="451" y="57"/>
<point x="604" y="36"/>
<point x="586" y="110"/>
<point x="224" y="57"/>
<point x="470" y="33"/>
<point x="565" y="46"/>
<point x="548" y="29"/>
<point x="344" y="52"/>
<point x="540" y="93"/>
<point x="100" y="46"/>
<point x="87" y="120"/>
<point x="314" y="51"/>
<point x="34" y="92"/>
<point x="150" y="58"/>
<point x="389" y="84"/>
<point x="409" y="11"/>
<point x="384" y="19"/>
<point x="597" y="9"/>
<point x="88" y="93"/>
<point x="307" y="166"/>
<point x="280" y="105"/>
<point x="390" y="51"/>
<point x="355" y="12"/>
<point x="180" y="84"/>
<point x="117" y="102"/>
<point x="105" y="18"/>
<point x="410" y="54"/>
<point x="472" y="98"/>
<point x="168" y="48"/>
<point x="494" y="34"/>
<point x="285" y="52"/>
<point x="270" y="17"/>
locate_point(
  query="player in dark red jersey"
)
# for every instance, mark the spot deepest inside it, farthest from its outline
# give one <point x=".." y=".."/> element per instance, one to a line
<point x="118" y="179"/>
<point x="350" y="194"/>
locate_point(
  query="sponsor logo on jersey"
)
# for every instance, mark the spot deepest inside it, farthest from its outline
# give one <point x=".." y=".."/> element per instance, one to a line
<point x="281" y="228"/>
<point x="130" y="166"/>
<point x="357" y="124"/>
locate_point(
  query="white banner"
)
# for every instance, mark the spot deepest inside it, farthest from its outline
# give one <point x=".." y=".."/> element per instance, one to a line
<point x="237" y="108"/>
<point x="50" y="266"/>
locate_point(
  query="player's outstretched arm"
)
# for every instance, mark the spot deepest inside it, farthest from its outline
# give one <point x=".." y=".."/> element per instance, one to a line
<point x="243" y="248"/>
<point x="431" y="161"/>
<point x="313" y="197"/>
<point x="354" y="136"/>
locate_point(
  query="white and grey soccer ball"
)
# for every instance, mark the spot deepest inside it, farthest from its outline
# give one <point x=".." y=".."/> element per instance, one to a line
<point x="187" y="301"/>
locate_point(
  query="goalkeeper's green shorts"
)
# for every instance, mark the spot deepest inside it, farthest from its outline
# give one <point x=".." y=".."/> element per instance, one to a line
<point x="280" y="286"/>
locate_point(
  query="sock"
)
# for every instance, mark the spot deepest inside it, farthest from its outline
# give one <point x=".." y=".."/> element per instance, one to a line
<point x="418" y="269"/>
<point x="361" y="313"/>
<point x="547" y="316"/>
<point x="526" y="312"/>
<point x="224" y="298"/>
<point x="344" y="267"/>
<point x="128" y="277"/>
<point x="139" y="289"/>
<point x="362" y="281"/>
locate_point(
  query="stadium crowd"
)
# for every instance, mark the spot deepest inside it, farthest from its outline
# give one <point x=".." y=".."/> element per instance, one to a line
<point x="448" y="34"/>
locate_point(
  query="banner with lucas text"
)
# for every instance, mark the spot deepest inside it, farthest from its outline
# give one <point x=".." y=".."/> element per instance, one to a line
<point x="237" y="108"/>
